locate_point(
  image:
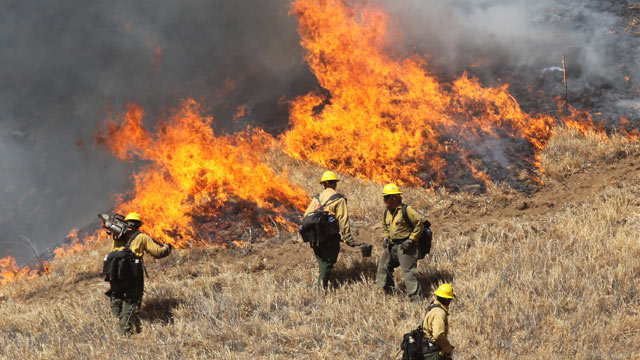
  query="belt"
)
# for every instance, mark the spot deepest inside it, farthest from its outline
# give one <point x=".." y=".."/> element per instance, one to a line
<point x="399" y="241"/>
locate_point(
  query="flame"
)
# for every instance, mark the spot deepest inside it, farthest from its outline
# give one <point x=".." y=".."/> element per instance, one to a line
<point x="194" y="173"/>
<point x="389" y="119"/>
<point x="9" y="271"/>
<point x="76" y="243"/>
<point x="242" y="111"/>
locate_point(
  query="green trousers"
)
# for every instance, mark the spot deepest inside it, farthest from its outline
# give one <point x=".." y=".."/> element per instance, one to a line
<point x="124" y="306"/>
<point x="393" y="257"/>
<point x="326" y="256"/>
<point x="436" y="356"/>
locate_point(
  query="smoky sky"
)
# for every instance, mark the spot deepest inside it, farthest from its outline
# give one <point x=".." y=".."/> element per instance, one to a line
<point x="66" y="66"/>
<point x="522" y="42"/>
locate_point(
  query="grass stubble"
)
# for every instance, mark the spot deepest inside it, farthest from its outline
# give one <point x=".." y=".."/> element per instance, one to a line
<point x="561" y="284"/>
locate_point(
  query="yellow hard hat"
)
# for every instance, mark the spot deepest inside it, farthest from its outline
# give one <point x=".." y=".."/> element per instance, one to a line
<point x="328" y="176"/>
<point x="391" y="189"/>
<point x="133" y="216"/>
<point x="445" y="291"/>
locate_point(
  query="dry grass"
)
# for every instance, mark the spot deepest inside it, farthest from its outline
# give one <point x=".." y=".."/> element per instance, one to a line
<point x="559" y="285"/>
<point x="570" y="152"/>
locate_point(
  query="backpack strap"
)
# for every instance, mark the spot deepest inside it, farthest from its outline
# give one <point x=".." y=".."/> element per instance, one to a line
<point x="331" y="199"/>
<point x="429" y="308"/>
<point x="405" y="216"/>
<point x="433" y="306"/>
<point x="132" y="236"/>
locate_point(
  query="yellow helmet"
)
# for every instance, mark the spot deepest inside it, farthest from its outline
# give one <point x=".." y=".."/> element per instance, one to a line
<point x="328" y="176"/>
<point x="133" y="216"/>
<point x="391" y="189"/>
<point x="445" y="291"/>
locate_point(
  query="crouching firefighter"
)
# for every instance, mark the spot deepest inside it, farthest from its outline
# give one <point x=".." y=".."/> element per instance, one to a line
<point x="124" y="268"/>
<point x="325" y="224"/>
<point x="436" y="325"/>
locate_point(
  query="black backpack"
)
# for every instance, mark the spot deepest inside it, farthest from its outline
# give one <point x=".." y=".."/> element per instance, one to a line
<point x="415" y="345"/>
<point x="318" y="227"/>
<point x="122" y="268"/>
<point x="412" y="344"/>
<point x="424" y="241"/>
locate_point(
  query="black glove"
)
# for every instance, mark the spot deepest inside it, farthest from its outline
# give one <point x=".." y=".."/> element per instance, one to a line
<point x="407" y="244"/>
<point x="351" y="243"/>
<point x="385" y="242"/>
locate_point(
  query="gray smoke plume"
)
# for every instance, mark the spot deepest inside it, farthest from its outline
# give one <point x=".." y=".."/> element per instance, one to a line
<point x="520" y="41"/>
<point x="66" y="66"/>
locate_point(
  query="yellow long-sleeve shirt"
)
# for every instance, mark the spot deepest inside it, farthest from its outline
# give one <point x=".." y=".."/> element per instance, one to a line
<point x="337" y="209"/>
<point x="142" y="244"/>
<point x="436" y="327"/>
<point x="394" y="226"/>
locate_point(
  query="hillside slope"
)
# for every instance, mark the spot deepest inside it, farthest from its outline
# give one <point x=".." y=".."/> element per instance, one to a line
<point x="553" y="274"/>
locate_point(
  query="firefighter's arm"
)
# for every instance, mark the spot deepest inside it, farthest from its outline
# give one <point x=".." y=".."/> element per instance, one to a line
<point x="342" y="216"/>
<point x="153" y="249"/>
<point x="415" y="219"/>
<point x="385" y="225"/>
<point x="439" y="333"/>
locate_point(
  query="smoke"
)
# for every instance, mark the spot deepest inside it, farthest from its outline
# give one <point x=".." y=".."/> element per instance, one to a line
<point x="66" y="66"/>
<point x="520" y="41"/>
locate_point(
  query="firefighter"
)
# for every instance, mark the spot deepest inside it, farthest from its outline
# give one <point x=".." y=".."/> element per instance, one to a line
<point x="399" y="243"/>
<point x="436" y="324"/>
<point x="327" y="255"/>
<point x="127" y="293"/>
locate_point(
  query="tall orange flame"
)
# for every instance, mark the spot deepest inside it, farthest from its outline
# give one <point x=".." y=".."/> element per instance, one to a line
<point x="390" y="119"/>
<point x="193" y="172"/>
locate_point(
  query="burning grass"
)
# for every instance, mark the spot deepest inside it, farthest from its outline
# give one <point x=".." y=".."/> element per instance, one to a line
<point x="563" y="284"/>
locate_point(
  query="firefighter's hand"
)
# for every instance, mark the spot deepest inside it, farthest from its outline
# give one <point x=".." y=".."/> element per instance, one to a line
<point x="170" y="247"/>
<point x="351" y="243"/>
<point x="407" y="244"/>
<point x="385" y="242"/>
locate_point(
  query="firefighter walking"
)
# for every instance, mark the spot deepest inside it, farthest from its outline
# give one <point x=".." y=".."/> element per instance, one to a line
<point x="399" y="242"/>
<point x="436" y="325"/>
<point x="336" y="205"/>
<point x="125" y="294"/>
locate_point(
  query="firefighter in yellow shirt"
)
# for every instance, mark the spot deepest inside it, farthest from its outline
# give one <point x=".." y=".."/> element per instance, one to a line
<point x="130" y="293"/>
<point x="436" y="324"/>
<point x="399" y="242"/>
<point x="336" y="206"/>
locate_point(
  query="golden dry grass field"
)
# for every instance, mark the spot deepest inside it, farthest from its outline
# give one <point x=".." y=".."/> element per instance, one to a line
<point x="550" y="275"/>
